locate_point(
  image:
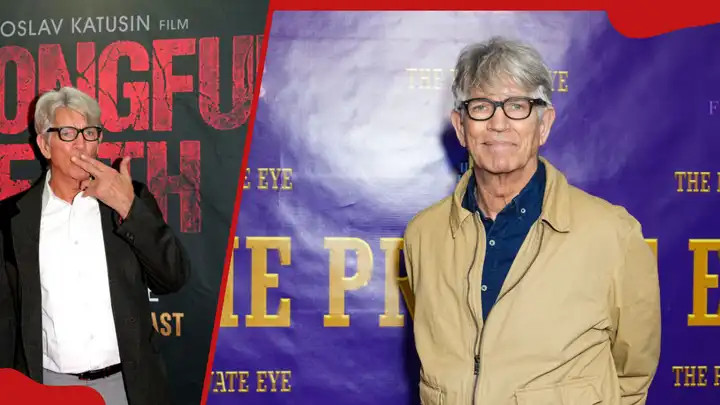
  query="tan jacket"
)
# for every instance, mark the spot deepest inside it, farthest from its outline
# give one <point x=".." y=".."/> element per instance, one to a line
<point x="577" y="320"/>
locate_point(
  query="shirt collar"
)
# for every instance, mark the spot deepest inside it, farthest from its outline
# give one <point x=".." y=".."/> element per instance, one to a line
<point x="49" y="195"/>
<point x="47" y="191"/>
<point x="530" y="196"/>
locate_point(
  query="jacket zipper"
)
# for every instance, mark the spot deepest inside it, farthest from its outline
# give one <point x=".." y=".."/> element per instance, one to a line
<point x="478" y="332"/>
<point x="477" y="349"/>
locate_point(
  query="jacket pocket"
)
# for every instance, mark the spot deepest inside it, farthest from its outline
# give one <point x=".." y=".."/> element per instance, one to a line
<point x="430" y="395"/>
<point x="579" y="391"/>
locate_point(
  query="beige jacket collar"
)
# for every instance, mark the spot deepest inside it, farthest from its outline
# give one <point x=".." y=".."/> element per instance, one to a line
<point x="556" y="202"/>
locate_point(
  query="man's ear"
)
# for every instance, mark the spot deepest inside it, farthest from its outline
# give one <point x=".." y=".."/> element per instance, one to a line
<point x="43" y="143"/>
<point x="456" y="119"/>
<point x="546" y="122"/>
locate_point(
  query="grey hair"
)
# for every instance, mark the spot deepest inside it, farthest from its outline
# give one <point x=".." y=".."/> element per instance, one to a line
<point x="487" y="63"/>
<point x="68" y="97"/>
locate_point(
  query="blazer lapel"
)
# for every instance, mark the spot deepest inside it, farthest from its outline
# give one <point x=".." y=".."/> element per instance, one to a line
<point x="25" y="226"/>
<point x="114" y="258"/>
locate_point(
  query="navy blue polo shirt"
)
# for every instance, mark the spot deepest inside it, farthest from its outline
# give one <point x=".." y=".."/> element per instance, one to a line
<point x="506" y="233"/>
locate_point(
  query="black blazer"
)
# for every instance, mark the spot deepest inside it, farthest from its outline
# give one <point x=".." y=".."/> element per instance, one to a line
<point x="8" y="317"/>
<point x="141" y="252"/>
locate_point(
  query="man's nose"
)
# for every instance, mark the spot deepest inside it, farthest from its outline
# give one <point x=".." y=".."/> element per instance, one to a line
<point x="499" y="121"/>
<point x="79" y="142"/>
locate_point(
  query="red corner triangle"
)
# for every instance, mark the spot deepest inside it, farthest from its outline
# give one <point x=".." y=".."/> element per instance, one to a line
<point x="18" y="389"/>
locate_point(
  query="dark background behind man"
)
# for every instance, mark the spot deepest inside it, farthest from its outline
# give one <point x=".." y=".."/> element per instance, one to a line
<point x="187" y="147"/>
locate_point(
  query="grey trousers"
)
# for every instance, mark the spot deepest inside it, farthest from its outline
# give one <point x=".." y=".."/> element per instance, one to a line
<point x="111" y="388"/>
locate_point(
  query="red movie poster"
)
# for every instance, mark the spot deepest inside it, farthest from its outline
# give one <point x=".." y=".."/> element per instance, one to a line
<point x="175" y="84"/>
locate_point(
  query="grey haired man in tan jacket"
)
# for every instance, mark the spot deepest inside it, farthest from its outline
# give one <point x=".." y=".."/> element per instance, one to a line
<point x="528" y="291"/>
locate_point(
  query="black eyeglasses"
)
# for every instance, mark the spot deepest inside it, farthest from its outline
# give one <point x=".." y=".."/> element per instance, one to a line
<point x="515" y="108"/>
<point x="68" y="134"/>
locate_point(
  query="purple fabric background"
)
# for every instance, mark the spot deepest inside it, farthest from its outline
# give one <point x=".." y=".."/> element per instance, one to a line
<point x="368" y="152"/>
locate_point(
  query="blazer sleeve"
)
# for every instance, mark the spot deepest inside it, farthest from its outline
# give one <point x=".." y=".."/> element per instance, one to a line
<point x="164" y="261"/>
<point x="7" y="315"/>
<point x="636" y="346"/>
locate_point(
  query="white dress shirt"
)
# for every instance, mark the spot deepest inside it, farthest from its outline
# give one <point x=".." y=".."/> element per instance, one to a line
<point x="78" y="330"/>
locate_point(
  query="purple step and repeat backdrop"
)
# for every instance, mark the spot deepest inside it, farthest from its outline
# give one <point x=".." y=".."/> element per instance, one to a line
<point x="353" y="138"/>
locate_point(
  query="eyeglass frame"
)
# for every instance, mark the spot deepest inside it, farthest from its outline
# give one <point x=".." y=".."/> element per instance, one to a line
<point x="78" y="131"/>
<point x="533" y="101"/>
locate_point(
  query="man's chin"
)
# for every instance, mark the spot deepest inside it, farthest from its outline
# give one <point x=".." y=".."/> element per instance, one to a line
<point x="499" y="166"/>
<point x="80" y="176"/>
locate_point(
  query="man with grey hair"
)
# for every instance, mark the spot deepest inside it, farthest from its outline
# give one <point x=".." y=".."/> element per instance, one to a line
<point x="82" y="247"/>
<point x="527" y="289"/>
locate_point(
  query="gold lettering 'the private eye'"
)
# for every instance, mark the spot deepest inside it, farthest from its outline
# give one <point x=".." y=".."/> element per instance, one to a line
<point x="424" y="78"/>
<point x="677" y="370"/>
<point x="653" y="246"/>
<point x="247" y="184"/>
<point x="680" y="177"/>
<point x="262" y="181"/>
<point x="695" y="376"/>
<point x="339" y="283"/>
<point x="562" y="85"/>
<point x="270" y="178"/>
<point x="279" y="380"/>
<point x="227" y="317"/>
<point x="225" y="381"/>
<point x="702" y="282"/>
<point x="230" y="376"/>
<point x="702" y="376"/>
<point x="692" y="376"/>
<point x="261" y="280"/>
<point x="693" y="182"/>
<point x="440" y="79"/>
<point x="394" y="284"/>
<point x="243" y="381"/>
<point x="219" y="382"/>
